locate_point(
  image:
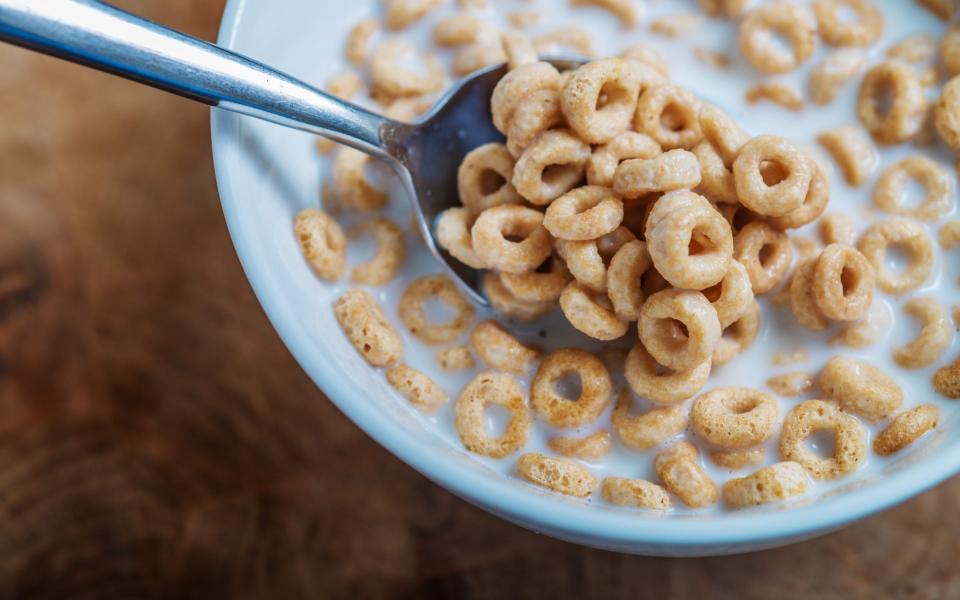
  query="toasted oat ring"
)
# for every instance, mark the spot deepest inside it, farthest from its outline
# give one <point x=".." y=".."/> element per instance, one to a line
<point x="390" y="254"/>
<point x="458" y="29"/>
<point x="658" y="384"/>
<point x="738" y="336"/>
<point x="483" y="178"/>
<point x="765" y="252"/>
<point x="664" y="317"/>
<point x="417" y="387"/>
<point x="585" y="263"/>
<point x="890" y="190"/>
<point x="680" y="472"/>
<point x="500" y="350"/>
<point x="453" y="235"/>
<point x="943" y="9"/>
<point x="519" y="49"/>
<point x="365" y="325"/>
<point x="591" y="447"/>
<point x="322" y="242"/>
<point x="350" y="182"/>
<point x="598" y="121"/>
<point x="947" y="112"/>
<point x="814" y="203"/>
<point x="936" y="334"/>
<point x="595" y="388"/>
<point x="403" y="13"/>
<point x="558" y="474"/>
<point x="911" y="236"/>
<point x="833" y="72"/>
<point x="605" y="159"/>
<point x="817" y="415"/>
<point x="637" y="493"/>
<point x="539" y="285"/>
<point x="509" y="305"/>
<point x="650" y="56"/>
<point x="490" y="243"/>
<point x="723" y="133"/>
<point x="650" y="429"/>
<point x="624" y="10"/>
<point x="591" y="313"/>
<point x="735" y="460"/>
<point x="716" y="178"/>
<point x="864" y="31"/>
<point x="584" y="213"/>
<point x="537" y="113"/>
<point x="677" y="25"/>
<point x="358" y="41"/>
<point x="785" y="195"/>
<point x="860" y="388"/>
<point x="672" y="170"/>
<point x="392" y="77"/>
<point x="785" y="95"/>
<point x="949" y="51"/>
<point x="455" y="358"/>
<point x="735" y="417"/>
<point x="906" y="428"/>
<point x="689" y="241"/>
<point x="772" y="483"/>
<point x="843" y="283"/>
<point x="732" y="296"/>
<point x="795" y="23"/>
<point x="837" y="228"/>
<point x="565" y="40"/>
<point x="624" y="279"/>
<point x="949" y="234"/>
<point x="566" y="156"/>
<point x="723" y="8"/>
<point x="853" y="150"/>
<point x="587" y="260"/>
<point x="802" y="301"/>
<point x="670" y="115"/>
<point x="516" y="86"/>
<point x="412" y="311"/>
<point x="897" y="82"/>
<point x="471" y="421"/>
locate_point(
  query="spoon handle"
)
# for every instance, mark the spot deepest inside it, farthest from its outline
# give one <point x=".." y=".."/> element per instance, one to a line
<point x="108" y="39"/>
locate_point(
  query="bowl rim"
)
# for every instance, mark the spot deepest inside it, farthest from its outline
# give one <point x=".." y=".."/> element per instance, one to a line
<point x="536" y="511"/>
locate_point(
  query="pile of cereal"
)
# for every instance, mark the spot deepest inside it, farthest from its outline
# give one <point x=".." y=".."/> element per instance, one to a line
<point x="619" y="197"/>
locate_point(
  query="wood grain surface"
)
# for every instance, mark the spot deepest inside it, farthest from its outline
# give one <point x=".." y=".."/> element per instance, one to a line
<point x="158" y="441"/>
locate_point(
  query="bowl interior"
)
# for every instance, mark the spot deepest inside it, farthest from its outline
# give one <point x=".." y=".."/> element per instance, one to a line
<point x="266" y="174"/>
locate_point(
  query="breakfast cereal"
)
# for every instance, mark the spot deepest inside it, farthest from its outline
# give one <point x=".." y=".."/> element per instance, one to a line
<point x="559" y="474"/>
<point x="638" y="493"/>
<point x="618" y="196"/>
<point x="499" y="389"/>
<point x="592" y="447"/>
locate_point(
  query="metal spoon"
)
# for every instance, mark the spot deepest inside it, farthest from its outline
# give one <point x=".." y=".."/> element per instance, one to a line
<point x="425" y="154"/>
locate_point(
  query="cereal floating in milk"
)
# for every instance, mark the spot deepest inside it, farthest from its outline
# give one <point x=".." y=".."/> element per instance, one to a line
<point x="763" y="275"/>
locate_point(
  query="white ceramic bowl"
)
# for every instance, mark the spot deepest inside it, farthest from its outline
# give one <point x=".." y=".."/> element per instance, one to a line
<point x="266" y="174"/>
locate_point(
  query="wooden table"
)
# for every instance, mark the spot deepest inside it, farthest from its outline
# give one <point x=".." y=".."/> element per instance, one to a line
<point x="157" y="440"/>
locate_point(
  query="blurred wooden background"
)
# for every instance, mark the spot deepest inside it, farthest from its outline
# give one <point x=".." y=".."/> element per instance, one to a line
<point x="157" y="440"/>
